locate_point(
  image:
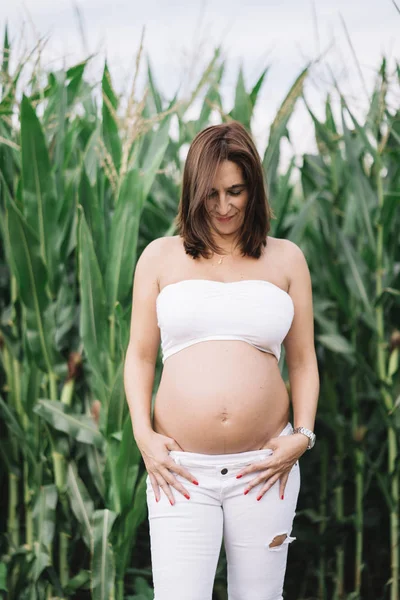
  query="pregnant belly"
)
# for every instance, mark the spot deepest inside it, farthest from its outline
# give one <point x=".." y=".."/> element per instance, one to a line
<point x="220" y="397"/>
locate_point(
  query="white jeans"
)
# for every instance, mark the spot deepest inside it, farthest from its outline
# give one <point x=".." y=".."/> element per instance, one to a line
<point x="186" y="537"/>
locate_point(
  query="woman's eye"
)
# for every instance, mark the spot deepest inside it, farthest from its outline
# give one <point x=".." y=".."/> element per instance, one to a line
<point x="211" y="194"/>
<point x="231" y="193"/>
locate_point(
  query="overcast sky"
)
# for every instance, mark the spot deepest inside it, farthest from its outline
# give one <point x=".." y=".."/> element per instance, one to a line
<point x="283" y="35"/>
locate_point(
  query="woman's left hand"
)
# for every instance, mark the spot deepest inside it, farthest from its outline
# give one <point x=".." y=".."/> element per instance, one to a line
<point x="287" y="449"/>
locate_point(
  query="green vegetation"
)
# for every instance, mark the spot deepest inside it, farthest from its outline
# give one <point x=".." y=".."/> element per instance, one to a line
<point x="85" y="185"/>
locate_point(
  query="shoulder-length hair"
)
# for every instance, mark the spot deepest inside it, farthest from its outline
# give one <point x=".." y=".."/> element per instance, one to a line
<point x="212" y="145"/>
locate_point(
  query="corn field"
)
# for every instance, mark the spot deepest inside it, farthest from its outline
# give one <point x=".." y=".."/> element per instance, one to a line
<point x="87" y="180"/>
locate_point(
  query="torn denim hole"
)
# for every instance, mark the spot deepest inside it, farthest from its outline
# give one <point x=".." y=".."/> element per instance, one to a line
<point x="279" y="541"/>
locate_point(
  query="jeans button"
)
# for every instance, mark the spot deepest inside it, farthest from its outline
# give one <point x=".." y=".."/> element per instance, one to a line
<point x="224" y="471"/>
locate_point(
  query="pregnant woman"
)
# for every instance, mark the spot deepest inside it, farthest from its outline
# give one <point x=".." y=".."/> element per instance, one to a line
<point x="221" y="453"/>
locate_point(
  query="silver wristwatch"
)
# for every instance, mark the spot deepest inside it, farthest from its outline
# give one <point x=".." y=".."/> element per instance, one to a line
<point x="310" y="434"/>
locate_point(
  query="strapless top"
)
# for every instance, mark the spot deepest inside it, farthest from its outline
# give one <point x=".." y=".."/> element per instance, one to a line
<point x="197" y="310"/>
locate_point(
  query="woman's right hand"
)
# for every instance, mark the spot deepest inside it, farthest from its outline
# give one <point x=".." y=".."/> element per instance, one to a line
<point x="154" y="449"/>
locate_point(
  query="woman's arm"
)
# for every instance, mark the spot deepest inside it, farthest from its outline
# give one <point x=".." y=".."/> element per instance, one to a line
<point x="141" y="354"/>
<point x="139" y="369"/>
<point x="303" y="375"/>
<point x="299" y="342"/>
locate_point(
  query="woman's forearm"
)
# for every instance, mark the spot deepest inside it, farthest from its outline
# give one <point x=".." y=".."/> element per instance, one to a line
<point x="304" y="392"/>
<point x="138" y="383"/>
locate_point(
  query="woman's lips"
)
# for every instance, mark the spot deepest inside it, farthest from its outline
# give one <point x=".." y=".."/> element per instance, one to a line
<point x="224" y="219"/>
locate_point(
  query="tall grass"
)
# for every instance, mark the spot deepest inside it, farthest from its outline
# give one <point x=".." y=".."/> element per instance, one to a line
<point x="84" y="187"/>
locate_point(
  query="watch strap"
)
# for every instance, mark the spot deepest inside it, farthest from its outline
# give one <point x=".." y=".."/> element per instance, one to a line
<point x="307" y="432"/>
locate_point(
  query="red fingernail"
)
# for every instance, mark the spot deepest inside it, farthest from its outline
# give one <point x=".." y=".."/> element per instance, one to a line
<point x="171" y="503"/>
<point x="156" y="499"/>
<point x="195" y="482"/>
<point x="282" y="497"/>
<point x="187" y="496"/>
<point x="246" y="492"/>
<point x="259" y="497"/>
<point x="238" y="476"/>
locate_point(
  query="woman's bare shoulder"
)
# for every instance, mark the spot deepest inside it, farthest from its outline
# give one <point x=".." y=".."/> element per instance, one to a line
<point x="156" y="253"/>
<point x="156" y="248"/>
<point x="290" y="257"/>
<point x="295" y="262"/>
<point x="292" y="251"/>
<point x="286" y="247"/>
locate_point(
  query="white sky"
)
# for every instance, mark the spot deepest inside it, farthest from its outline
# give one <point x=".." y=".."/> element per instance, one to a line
<point x="284" y="35"/>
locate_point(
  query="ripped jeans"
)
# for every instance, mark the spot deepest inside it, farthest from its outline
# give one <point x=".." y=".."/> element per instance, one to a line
<point x="186" y="537"/>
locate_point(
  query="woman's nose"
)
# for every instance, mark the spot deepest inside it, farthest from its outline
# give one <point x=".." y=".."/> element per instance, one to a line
<point x="223" y="203"/>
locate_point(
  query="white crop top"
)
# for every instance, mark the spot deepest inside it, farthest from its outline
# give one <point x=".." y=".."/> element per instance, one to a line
<point x="197" y="310"/>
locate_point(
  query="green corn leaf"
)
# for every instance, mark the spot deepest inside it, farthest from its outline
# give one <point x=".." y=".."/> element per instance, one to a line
<point x="124" y="235"/>
<point x="16" y="431"/>
<point x="80" y="502"/>
<point x="155" y="95"/>
<point x="358" y="272"/>
<point x="302" y="220"/>
<point x="157" y="147"/>
<point x="127" y="466"/>
<point x="44" y="519"/>
<point x="30" y="270"/>
<point x="94" y="216"/>
<point x="93" y="316"/>
<point x="129" y="525"/>
<point x="362" y="132"/>
<point x="283" y="201"/>
<point x="65" y="314"/>
<point x="279" y="129"/>
<point x="3" y="577"/>
<point x="125" y="223"/>
<point x="90" y="156"/>
<point x="243" y="107"/>
<point x="364" y="198"/>
<point x="31" y="275"/>
<point x="44" y="515"/>
<point x="4" y="231"/>
<point x="95" y="461"/>
<point x="336" y="343"/>
<point x="211" y="99"/>
<point x="79" y="427"/>
<point x="325" y="136"/>
<point x="74" y="76"/>
<point x="81" y="581"/>
<point x="39" y="192"/>
<point x="102" y="556"/>
<point x="112" y="418"/>
<point x="6" y="53"/>
<point x="110" y="125"/>
<point x="256" y="89"/>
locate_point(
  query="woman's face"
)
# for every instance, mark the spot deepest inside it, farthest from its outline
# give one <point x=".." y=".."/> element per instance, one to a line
<point x="228" y="198"/>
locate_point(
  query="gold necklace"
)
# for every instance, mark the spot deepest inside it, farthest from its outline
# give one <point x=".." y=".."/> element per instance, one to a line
<point x="222" y="257"/>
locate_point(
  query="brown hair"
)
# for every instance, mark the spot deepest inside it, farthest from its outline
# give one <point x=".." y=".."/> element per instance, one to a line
<point x="212" y="145"/>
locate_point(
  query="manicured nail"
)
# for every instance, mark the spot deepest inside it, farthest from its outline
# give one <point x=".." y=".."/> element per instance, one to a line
<point x="259" y="497"/>
<point x="238" y="476"/>
<point x="171" y="503"/>
<point x="246" y="492"/>
<point x="195" y="482"/>
<point x="156" y="499"/>
<point x="187" y="496"/>
<point x="282" y="497"/>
